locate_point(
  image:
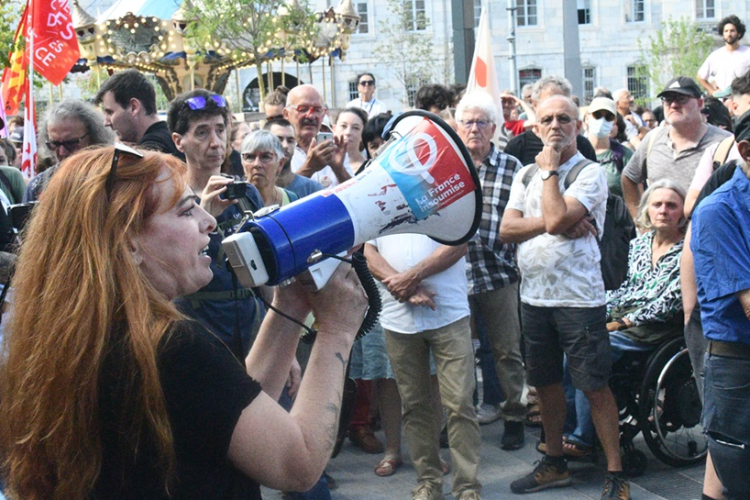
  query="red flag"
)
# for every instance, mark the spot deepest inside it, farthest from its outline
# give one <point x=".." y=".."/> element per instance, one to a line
<point x="55" y="43"/>
<point x="28" y="159"/>
<point x="14" y="76"/>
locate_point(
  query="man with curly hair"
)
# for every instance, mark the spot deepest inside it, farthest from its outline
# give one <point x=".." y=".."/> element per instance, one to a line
<point x="730" y="61"/>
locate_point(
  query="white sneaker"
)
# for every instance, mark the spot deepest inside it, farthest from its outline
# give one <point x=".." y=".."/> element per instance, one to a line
<point x="486" y="414"/>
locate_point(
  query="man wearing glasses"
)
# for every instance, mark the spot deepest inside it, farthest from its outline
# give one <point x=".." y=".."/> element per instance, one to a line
<point x="366" y="100"/>
<point x="491" y="269"/>
<point x="322" y="162"/>
<point x="562" y="293"/>
<point x="66" y="128"/>
<point x="672" y="152"/>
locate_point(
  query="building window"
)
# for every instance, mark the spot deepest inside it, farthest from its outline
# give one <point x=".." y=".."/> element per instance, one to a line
<point x="477" y="12"/>
<point x="589" y="83"/>
<point x="528" y="76"/>
<point x="364" y="27"/>
<point x="635" y="11"/>
<point x="415" y="17"/>
<point x="353" y="90"/>
<point x="705" y="9"/>
<point x="526" y="13"/>
<point x="584" y="11"/>
<point x="638" y="82"/>
<point x="412" y="86"/>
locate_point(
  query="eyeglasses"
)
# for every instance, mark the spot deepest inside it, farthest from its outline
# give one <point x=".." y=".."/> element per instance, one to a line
<point x="70" y="145"/>
<point x="306" y="110"/>
<point x="264" y="158"/>
<point x="120" y="149"/>
<point x="603" y="114"/>
<point x="469" y="124"/>
<point x="561" y="119"/>
<point x="367" y="83"/>
<point x="199" y="101"/>
<point x="678" y="99"/>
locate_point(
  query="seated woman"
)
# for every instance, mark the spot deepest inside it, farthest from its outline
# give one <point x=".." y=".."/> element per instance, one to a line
<point x="109" y="392"/>
<point x="647" y="308"/>
<point x="262" y="159"/>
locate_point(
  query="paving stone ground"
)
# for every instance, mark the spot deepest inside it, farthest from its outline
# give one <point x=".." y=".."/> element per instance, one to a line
<point x="353" y="470"/>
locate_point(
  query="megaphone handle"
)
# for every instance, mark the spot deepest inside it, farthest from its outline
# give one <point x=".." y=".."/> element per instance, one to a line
<point x="359" y="263"/>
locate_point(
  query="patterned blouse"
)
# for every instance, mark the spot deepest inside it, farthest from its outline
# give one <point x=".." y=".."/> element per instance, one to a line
<point x="650" y="295"/>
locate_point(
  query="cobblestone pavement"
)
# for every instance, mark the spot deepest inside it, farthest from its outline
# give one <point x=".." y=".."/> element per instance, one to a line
<point x="353" y="471"/>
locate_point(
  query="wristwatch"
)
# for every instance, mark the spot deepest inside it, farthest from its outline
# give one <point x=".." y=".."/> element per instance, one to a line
<point x="546" y="174"/>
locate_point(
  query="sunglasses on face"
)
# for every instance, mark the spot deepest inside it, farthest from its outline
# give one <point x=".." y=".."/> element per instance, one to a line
<point x="199" y="102"/>
<point x="71" y="145"/>
<point x="306" y="110"/>
<point x="561" y="119"/>
<point x="120" y="149"/>
<point x="367" y="83"/>
<point x="678" y="99"/>
<point x="603" y="114"/>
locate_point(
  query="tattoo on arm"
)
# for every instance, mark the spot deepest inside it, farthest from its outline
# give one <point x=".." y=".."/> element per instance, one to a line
<point x="335" y="408"/>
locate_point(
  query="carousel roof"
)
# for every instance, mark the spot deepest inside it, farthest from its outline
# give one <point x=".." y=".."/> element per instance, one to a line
<point x="161" y="9"/>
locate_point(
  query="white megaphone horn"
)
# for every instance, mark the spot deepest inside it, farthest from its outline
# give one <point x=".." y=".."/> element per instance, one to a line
<point x="424" y="182"/>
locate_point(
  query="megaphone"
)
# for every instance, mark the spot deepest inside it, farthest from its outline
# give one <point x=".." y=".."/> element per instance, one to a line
<point x="423" y="181"/>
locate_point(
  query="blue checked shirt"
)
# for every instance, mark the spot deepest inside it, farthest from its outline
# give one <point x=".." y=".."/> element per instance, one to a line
<point x="490" y="264"/>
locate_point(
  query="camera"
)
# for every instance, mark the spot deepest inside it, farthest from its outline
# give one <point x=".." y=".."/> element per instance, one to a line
<point x="235" y="190"/>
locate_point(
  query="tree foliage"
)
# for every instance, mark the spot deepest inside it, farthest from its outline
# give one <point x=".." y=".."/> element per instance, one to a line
<point x="10" y="15"/>
<point x="406" y="46"/>
<point x="678" y="48"/>
<point x="251" y="29"/>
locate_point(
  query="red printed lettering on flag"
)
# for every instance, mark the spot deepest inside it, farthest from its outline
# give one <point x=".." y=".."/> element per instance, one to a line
<point x="55" y="44"/>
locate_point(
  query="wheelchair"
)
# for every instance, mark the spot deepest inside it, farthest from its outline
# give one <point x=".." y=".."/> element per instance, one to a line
<point x="657" y="396"/>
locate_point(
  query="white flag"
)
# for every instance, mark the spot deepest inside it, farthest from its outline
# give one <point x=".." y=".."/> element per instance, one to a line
<point x="483" y="75"/>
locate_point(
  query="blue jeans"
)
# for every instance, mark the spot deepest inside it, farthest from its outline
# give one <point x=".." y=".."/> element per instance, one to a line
<point x="726" y="420"/>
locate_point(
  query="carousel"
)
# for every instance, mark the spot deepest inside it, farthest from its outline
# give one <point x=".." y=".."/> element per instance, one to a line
<point x="154" y="36"/>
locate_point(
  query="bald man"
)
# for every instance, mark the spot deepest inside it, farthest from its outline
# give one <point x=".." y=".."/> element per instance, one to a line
<point x="322" y="162"/>
<point x="563" y="305"/>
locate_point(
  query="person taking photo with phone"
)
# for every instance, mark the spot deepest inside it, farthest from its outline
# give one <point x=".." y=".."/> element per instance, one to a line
<point x="322" y="161"/>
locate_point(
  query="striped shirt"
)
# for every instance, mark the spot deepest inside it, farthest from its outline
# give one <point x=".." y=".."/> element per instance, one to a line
<point x="490" y="264"/>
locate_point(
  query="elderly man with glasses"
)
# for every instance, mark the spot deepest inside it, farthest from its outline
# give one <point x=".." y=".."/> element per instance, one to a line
<point x="491" y="269"/>
<point x="672" y="152"/>
<point x="66" y="128"/>
<point x="323" y="162"/>
<point x="366" y="99"/>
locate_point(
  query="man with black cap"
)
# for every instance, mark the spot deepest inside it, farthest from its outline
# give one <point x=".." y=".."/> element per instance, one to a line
<point x="721" y="249"/>
<point x="671" y="152"/>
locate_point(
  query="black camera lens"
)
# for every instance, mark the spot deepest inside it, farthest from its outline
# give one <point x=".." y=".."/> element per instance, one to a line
<point x="235" y="190"/>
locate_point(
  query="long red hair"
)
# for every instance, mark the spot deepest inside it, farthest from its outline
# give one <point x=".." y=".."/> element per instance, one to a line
<point x="75" y="280"/>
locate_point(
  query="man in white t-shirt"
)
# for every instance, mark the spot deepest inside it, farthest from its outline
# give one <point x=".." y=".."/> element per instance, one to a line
<point x="727" y="63"/>
<point x="366" y="100"/>
<point x="563" y="307"/>
<point x="426" y="310"/>
<point x="322" y="162"/>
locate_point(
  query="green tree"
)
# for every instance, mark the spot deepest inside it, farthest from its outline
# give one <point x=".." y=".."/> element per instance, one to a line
<point x="406" y="47"/>
<point x="253" y="30"/>
<point x="678" y="48"/>
<point x="10" y="15"/>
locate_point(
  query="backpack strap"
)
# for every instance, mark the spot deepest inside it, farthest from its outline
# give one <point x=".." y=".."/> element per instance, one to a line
<point x="572" y="175"/>
<point x="722" y="151"/>
<point x="530" y="173"/>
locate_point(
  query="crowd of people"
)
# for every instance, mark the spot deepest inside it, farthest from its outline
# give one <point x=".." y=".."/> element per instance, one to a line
<point x="136" y="366"/>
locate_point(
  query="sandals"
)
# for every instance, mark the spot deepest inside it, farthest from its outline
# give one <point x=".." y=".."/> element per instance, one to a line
<point x="387" y="466"/>
<point x="571" y="449"/>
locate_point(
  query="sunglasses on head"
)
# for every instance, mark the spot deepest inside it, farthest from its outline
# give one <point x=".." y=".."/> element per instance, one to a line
<point x="120" y="149"/>
<point x="199" y="101"/>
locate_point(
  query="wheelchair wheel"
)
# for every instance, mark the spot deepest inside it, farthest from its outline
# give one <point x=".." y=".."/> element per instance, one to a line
<point x="670" y="407"/>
